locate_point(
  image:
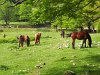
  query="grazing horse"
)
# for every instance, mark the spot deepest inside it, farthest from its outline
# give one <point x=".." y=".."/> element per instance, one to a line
<point x="23" y="39"/>
<point x="37" y="38"/>
<point x="62" y="34"/>
<point x="82" y="35"/>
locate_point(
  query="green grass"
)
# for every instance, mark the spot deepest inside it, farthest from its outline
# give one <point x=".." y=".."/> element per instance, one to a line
<point x="15" y="23"/>
<point x="23" y="61"/>
<point x="19" y="23"/>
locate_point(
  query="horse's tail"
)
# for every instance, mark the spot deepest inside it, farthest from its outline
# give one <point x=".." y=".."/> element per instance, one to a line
<point x="28" y="41"/>
<point x="89" y="39"/>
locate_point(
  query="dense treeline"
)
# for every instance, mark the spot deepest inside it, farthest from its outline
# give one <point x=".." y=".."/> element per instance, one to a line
<point x="60" y="13"/>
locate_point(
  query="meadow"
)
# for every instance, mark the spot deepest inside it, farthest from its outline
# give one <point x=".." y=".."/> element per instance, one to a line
<point x="46" y="58"/>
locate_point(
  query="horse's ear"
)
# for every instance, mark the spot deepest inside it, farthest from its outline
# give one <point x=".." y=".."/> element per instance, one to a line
<point x="69" y="35"/>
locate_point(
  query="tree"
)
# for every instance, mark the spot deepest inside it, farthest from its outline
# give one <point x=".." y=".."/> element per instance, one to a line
<point x="79" y="13"/>
<point x="6" y="12"/>
<point x="79" y="10"/>
<point x="24" y="11"/>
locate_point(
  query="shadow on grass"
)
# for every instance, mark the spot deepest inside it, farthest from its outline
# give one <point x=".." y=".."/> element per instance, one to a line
<point x="54" y="71"/>
<point x="4" y="67"/>
<point x="89" y="72"/>
<point x="93" y="58"/>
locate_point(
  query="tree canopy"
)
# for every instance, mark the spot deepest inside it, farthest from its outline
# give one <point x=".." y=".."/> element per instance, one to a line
<point x="63" y="13"/>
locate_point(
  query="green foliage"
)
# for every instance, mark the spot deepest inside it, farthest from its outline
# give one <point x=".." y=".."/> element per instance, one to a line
<point x="24" y="11"/>
<point x="34" y="16"/>
<point x="97" y="27"/>
<point x="65" y="22"/>
<point x="5" y="12"/>
<point x="83" y="12"/>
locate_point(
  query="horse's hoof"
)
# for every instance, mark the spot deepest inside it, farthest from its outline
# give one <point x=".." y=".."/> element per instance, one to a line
<point x="81" y="46"/>
<point x="73" y="48"/>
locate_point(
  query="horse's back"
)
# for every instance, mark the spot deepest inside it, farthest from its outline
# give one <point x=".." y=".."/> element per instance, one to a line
<point x="38" y="35"/>
<point x="73" y="35"/>
<point x="79" y="35"/>
<point x="82" y="35"/>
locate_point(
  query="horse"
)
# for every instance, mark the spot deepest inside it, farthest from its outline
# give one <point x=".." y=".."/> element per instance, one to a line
<point x="62" y="33"/>
<point x="37" y="38"/>
<point x="82" y="35"/>
<point x="23" y="39"/>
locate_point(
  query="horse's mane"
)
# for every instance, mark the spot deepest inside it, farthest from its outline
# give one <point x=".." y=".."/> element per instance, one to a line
<point x="69" y="35"/>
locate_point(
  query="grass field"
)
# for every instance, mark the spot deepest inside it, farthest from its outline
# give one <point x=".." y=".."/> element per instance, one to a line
<point x="46" y="58"/>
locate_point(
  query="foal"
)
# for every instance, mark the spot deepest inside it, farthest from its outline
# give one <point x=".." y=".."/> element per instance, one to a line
<point x="23" y="39"/>
<point x="37" y="38"/>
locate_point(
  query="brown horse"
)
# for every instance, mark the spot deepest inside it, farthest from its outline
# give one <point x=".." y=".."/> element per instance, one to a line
<point x="82" y="35"/>
<point x="23" y="39"/>
<point x="37" y="38"/>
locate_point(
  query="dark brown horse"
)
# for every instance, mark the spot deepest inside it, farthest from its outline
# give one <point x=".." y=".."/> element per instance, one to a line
<point x="82" y="35"/>
<point x="62" y="33"/>
<point x="37" y="38"/>
<point x="23" y="39"/>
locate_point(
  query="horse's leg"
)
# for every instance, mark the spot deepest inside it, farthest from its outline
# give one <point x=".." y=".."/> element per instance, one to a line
<point x="63" y="35"/>
<point x="39" y="40"/>
<point x="22" y="43"/>
<point x="84" y="43"/>
<point x="73" y="43"/>
<point x="35" y="40"/>
<point x="19" y="44"/>
<point x="28" y="42"/>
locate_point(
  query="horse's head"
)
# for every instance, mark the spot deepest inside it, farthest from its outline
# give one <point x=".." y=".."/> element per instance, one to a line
<point x="89" y="40"/>
<point x="68" y="35"/>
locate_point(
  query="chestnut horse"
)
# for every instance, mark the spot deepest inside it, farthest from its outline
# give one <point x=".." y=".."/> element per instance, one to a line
<point x="37" y="38"/>
<point x="82" y="35"/>
<point x="23" y="39"/>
